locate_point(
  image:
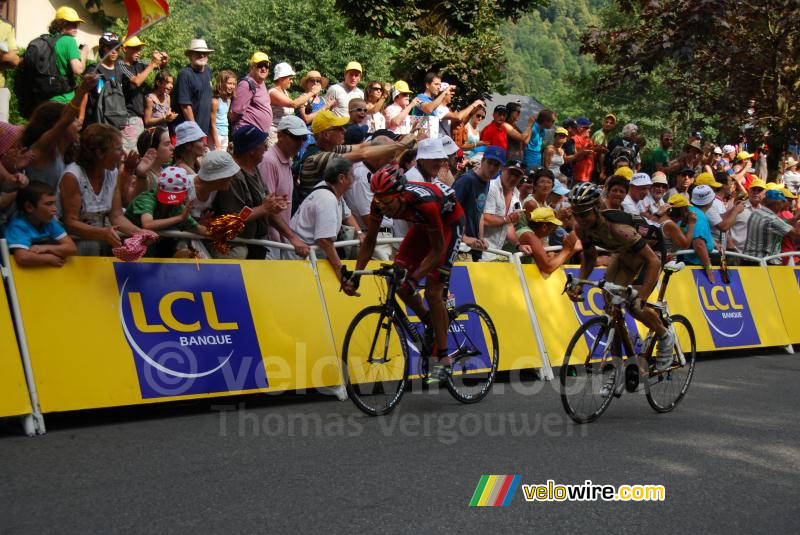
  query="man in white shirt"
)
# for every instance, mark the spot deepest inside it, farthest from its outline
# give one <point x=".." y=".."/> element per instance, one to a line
<point x="720" y="219"/>
<point x="655" y="205"/>
<point x="502" y="209"/>
<point x="342" y="92"/>
<point x="738" y="231"/>
<point x="320" y="216"/>
<point x="640" y="188"/>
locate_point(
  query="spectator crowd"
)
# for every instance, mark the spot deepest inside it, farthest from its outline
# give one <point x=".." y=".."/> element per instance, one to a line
<point x="124" y="146"/>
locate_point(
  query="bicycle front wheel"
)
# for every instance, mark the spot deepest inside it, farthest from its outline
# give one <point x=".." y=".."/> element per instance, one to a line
<point x="375" y="361"/>
<point x="589" y="372"/>
<point x="666" y="389"/>
<point x="472" y="340"/>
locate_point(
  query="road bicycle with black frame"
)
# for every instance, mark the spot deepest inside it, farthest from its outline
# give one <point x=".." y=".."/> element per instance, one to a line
<point x="377" y="358"/>
<point x="601" y="361"/>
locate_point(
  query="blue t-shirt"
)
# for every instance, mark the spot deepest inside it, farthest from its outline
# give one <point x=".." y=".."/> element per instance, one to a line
<point x="701" y="230"/>
<point x="194" y="88"/>
<point x="423" y="99"/>
<point x="533" y="152"/>
<point x="471" y="193"/>
<point x="21" y="234"/>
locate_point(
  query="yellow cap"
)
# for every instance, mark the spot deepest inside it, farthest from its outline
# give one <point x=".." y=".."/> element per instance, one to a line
<point x="788" y="193"/>
<point x="706" y="179"/>
<point x="258" y="57"/>
<point x="743" y="155"/>
<point x="758" y="183"/>
<point x="678" y="201"/>
<point x="562" y="131"/>
<point x="133" y="42"/>
<point x="326" y="119"/>
<point x="772" y="186"/>
<point x="624" y="171"/>
<point x="401" y="86"/>
<point x="68" y="14"/>
<point x="611" y="115"/>
<point x="353" y="66"/>
<point x="545" y="215"/>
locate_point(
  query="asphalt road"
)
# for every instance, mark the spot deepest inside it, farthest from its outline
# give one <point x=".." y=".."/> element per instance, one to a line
<point x="728" y="457"/>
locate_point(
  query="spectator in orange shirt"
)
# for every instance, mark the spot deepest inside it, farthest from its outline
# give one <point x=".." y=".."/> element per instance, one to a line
<point x="582" y="166"/>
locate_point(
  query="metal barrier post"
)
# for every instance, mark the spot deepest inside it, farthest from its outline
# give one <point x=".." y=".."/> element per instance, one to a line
<point x="339" y="391"/>
<point x="547" y="369"/>
<point x="32" y="423"/>
<point x="788" y="348"/>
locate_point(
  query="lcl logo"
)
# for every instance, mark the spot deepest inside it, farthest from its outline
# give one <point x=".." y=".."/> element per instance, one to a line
<point x="726" y="310"/>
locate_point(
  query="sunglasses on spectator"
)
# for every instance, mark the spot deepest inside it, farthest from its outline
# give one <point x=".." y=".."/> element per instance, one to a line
<point x="480" y="116"/>
<point x="363" y="110"/>
<point x="376" y="88"/>
<point x="263" y="65"/>
<point x="315" y="80"/>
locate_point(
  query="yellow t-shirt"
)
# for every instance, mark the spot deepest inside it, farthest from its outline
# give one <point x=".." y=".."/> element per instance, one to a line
<point x="7" y="36"/>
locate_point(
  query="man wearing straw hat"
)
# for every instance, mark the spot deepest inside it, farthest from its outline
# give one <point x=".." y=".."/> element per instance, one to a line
<point x="193" y="87"/>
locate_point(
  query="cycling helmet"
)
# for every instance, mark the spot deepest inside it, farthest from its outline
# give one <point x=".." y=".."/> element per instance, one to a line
<point x="584" y="194"/>
<point x="387" y="180"/>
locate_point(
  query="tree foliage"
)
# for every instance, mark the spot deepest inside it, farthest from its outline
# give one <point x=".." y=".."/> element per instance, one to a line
<point x="308" y="34"/>
<point x="459" y="38"/>
<point x="715" y="54"/>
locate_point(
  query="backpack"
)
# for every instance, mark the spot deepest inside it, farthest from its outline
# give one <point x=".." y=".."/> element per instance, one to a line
<point x="37" y="79"/>
<point x="652" y="233"/>
<point x="106" y="104"/>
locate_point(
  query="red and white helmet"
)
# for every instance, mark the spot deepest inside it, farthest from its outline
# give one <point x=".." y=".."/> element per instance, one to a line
<point x="387" y="180"/>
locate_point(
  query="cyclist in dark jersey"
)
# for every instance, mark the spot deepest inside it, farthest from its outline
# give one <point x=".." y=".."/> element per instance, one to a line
<point x="428" y="250"/>
<point x="630" y="254"/>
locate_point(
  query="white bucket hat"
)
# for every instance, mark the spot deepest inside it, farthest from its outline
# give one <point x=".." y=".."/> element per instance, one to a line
<point x="641" y="179"/>
<point x="448" y="145"/>
<point x="702" y="195"/>
<point x="431" y="149"/>
<point x="282" y="70"/>
<point x="216" y="165"/>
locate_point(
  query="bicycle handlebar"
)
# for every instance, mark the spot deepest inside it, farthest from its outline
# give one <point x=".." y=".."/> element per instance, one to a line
<point x="628" y="293"/>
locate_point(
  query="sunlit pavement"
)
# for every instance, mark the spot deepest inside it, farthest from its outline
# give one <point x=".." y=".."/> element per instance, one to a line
<point x="728" y="457"/>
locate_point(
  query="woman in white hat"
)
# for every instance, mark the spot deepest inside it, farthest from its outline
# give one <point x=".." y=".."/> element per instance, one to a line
<point x="190" y="146"/>
<point x="280" y="101"/>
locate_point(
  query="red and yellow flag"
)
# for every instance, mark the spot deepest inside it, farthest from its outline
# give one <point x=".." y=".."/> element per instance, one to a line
<point x="144" y="13"/>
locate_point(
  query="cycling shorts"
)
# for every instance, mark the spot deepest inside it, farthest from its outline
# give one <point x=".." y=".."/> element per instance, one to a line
<point x="416" y="245"/>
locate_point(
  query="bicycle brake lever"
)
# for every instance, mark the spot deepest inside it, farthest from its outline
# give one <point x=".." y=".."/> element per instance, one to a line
<point x="568" y="284"/>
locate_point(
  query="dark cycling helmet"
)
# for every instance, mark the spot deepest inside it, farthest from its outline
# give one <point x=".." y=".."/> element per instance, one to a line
<point x="585" y="193"/>
<point x="387" y="180"/>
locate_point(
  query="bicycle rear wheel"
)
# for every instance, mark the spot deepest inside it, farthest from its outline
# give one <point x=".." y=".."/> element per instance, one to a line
<point x="589" y="372"/>
<point x="666" y="389"/>
<point x="472" y="340"/>
<point x="375" y="361"/>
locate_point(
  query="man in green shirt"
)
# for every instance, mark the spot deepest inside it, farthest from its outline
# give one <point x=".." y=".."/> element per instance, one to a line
<point x="600" y="138"/>
<point x="660" y="156"/>
<point x="70" y="58"/>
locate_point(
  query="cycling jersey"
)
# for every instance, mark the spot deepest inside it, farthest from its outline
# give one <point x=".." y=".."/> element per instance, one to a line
<point x="430" y="208"/>
<point x="613" y="237"/>
<point x="427" y="204"/>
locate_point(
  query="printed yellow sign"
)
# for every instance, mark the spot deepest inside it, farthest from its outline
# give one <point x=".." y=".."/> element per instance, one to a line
<point x="14" y="399"/>
<point x="103" y="333"/>
<point x="786" y="286"/>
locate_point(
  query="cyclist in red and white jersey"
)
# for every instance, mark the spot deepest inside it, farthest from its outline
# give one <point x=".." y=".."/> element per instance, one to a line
<point x="428" y="250"/>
